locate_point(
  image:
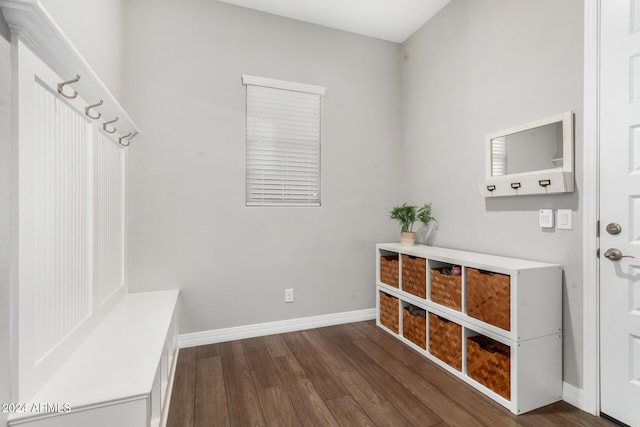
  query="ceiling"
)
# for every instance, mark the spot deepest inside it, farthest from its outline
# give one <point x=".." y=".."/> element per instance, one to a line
<point x="393" y="20"/>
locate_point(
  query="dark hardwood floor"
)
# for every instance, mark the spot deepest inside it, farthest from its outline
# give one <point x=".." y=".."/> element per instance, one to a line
<point x="346" y="375"/>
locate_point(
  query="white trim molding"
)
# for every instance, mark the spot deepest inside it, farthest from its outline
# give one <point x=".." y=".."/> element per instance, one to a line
<point x="573" y="395"/>
<point x="590" y="199"/>
<point x="282" y="84"/>
<point x="270" y="328"/>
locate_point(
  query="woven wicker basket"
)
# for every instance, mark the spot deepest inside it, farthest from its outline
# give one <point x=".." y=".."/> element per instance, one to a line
<point x="489" y="297"/>
<point x="414" y="275"/>
<point x="414" y="328"/>
<point x="446" y="289"/>
<point x="445" y="341"/>
<point x="489" y="363"/>
<point x="389" y="312"/>
<point x="390" y="270"/>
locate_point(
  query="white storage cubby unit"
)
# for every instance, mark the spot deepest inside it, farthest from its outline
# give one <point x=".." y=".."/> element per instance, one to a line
<point x="494" y="322"/>
<point x="119" y="376"/>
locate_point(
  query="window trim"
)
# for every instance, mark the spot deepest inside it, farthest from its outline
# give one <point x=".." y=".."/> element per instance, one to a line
<point x="282" y="84"/>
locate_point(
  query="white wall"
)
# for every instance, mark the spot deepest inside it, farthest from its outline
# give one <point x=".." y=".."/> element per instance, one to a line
<point x="188" y="227"/>
<point x="95" y="28"/>
<point x="475" y="68"/>
<point x="5" y="208"/>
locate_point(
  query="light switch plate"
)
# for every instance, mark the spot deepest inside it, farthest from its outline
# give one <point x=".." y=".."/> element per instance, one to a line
<point x="546" y="218"/>
<point x="564" y="219"/>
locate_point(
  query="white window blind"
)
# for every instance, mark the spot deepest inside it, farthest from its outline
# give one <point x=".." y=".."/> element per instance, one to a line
<point x="498" y="156"/>
<point x="283" y="131"/>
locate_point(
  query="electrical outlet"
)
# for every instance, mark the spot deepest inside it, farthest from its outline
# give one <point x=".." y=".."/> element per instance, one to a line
<point x="288" y="295"/>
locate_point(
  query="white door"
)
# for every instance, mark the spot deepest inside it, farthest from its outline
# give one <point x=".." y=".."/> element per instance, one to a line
<point x="620" y="208"/>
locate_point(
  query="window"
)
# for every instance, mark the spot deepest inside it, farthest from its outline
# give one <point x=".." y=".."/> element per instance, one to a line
<point x="283" y="129"/>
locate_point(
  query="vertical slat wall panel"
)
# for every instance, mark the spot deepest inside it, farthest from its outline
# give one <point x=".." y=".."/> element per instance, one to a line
<point x="108" y="272"/>
<point x="69" y="221"/>
<point x="62" y="286"/>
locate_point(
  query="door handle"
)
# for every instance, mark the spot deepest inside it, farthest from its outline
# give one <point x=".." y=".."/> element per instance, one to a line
<point x="615" y="254"/>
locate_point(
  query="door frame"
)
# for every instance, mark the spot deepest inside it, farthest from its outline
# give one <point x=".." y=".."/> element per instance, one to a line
<point x="590" y="399"/>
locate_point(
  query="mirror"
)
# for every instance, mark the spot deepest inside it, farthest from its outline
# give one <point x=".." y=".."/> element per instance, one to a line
<point x="534" y="149"/>
<point x="534" y="158"/>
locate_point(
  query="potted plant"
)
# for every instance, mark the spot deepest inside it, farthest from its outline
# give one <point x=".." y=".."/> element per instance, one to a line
<point x="407" y="215"/>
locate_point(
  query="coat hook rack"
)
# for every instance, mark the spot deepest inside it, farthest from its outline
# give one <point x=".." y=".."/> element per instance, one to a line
<point x="89" y="107"/>
<point x="63" y="84"/>
<point x="105" y="124"/>
<point x="127" y="137"/>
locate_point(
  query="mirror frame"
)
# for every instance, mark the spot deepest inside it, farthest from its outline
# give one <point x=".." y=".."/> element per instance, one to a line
<point x="554" y="180"/>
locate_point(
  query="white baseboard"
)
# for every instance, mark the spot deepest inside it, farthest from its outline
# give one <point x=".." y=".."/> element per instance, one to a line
<point x="573" y="395"/>
<point x="270" y="328"/>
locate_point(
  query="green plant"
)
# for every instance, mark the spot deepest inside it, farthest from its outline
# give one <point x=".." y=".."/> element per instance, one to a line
<point x="407" y="215"/>
<point x="424" y="214"/>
